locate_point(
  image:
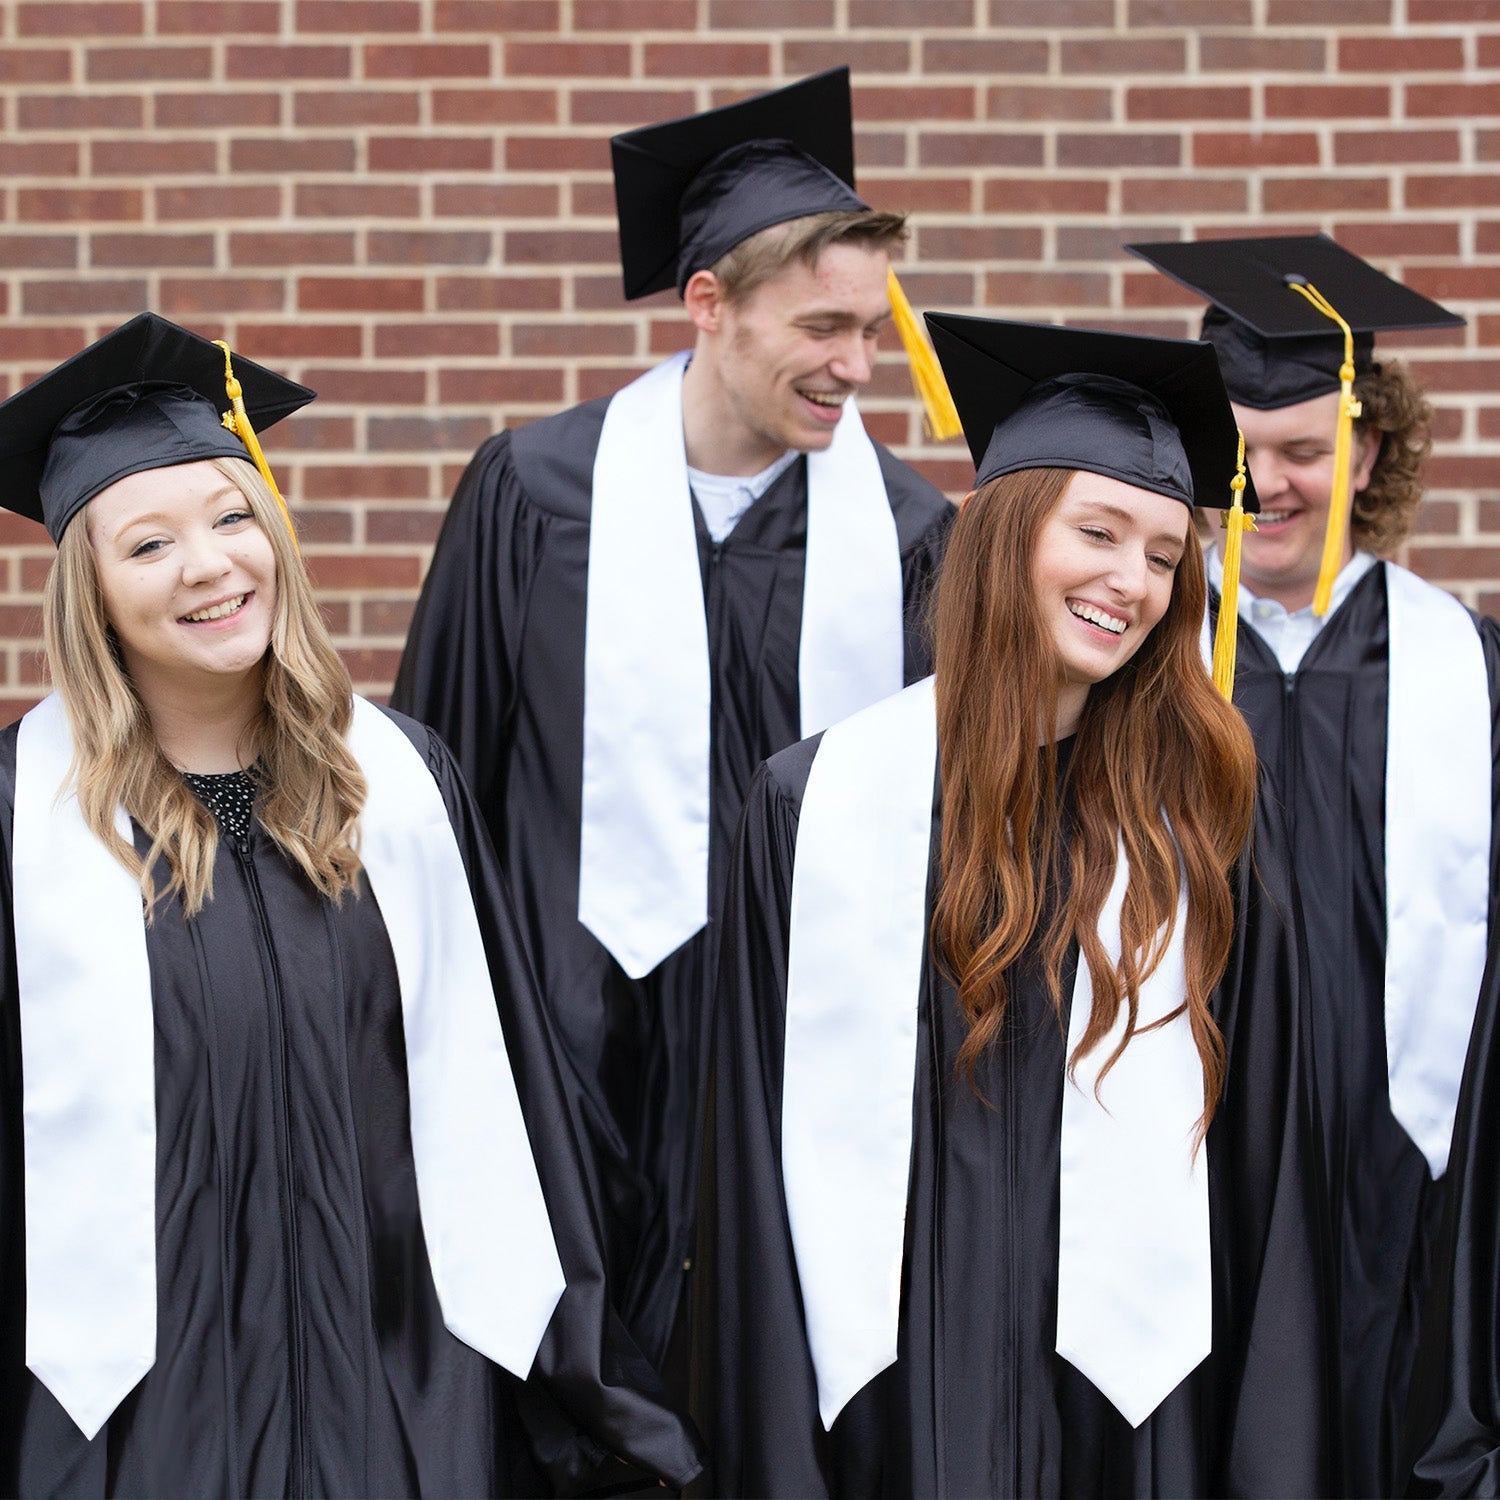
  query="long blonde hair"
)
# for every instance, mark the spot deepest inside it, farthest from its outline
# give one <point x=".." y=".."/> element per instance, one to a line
<point x="310" y="788"/>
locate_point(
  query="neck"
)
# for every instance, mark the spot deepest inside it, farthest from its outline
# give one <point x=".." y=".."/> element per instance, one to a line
<point x="1291" y="594"/>
<point x="717" y="440"/>
<point x="1071" y="696"/>
<point x="203" y="725"/>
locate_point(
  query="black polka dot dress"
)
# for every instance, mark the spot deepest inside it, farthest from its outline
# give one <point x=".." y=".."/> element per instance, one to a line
<point x="229" y="796"/>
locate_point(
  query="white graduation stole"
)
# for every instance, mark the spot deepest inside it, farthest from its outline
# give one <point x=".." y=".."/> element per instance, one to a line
<point x="1134" y="1270"/>
<point x="643" y="848"/>
<point x="89" y="1067"/>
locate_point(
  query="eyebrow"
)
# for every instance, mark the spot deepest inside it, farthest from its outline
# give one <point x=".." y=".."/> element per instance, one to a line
<point x="842" y="316"/>
<point x="1109" y="508"/>
<point x="157" y="518"/>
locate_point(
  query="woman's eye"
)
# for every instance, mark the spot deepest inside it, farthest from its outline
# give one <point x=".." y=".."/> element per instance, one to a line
<point x="1098" y="533"/>
<point x="234" y="517"/>
<point x="146" y="548"/>
<point x="1163" y="564"/>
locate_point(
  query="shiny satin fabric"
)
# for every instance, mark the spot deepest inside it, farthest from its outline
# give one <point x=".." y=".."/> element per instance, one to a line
<point x="978" y="1402"/>
<point x="494" y="662"/>
<point x="1322" y="736"/>
<point x="300" y="1345"/>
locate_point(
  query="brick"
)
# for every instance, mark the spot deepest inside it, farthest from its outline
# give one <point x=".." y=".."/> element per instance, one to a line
<point x="1119" y="149"/>
<point x="285" y="247"/>
<point x="770" y="15"/>
<point x="79" y="298"/>
<point x="357" y="107"/>
<point x="1488" y="51"/>
<point x="1436" y="517"/>
<point x="1124" y="56"/>
<point x="567" y="60"/>
<point x="217" y="17"/>
<point x="1447" y="282"/>
<point x="38" y="159"/>
<point x="627" y="107"/>
<point x="374" y="15"/>
<point x="431" y="153"/>
<point x="214" y="201"/>
<point x="1150" y="289"/>
<point x="1043" y="289"/>
<point x="505" y="106"/>
<point x="987" y="55"/>
<point x="1281" y="195"/>
<point x="490" y="386"/>
<point x="350" y="570"/>
<point x="1456" y="374"/>
<point x="427" y="60"/>
<point x="499" y="16"/>
<point x="1410" y="237"/>
<point x="300" y="340"/>
<point x="335" y="528"/>
<point x="145" y="64"/>
<point x="359" y="294"/>
<point x="356" y="200"/>
<point x="1255" y="149"/>
<point x="136" y="157"/>
<point x="498" y="293"/>
<point x="80" y="111"/>
<point x="34" y="65"/>
<point x="1394" y="147"/>
<point x="423" y="340"/>
<point x="150" y="251"/>
<point x="1439" y="562"/>
<point x="863" y="56"/>
<point x="977" y="242"/>
<point x="596" y="200"/>
<point x="1431" y="12"/>
<point x="367" y="386"/>
<point x="281" y="154"/>
<point x="1094" y="14"/>
<point x="37" y="252"/>
<point x="387" y="527"/>
<point x="218" y="108"/>
<point x="927" y="104"/>
<point x="1187" y="103"/>
<point x="1077" y="242"/>
<point x="307" y="433"/>
<point x="431" y="247"/>
<point x="386" y="617"/>
<point x="979" y="149"/>
<point x="81" y="18"/>
<point x="77" y="205"/>
<point x="365" y="482"/>
<point x="1262" y="54"/>
<point x="874" y="148"/>
<point x="1400" y="54"/>
<point x="51" y="344"/>
<point x="706" y="59"/>
<point x="1329" y="12"/>
<point x="1452" y="100"/>
<point x="557" y="153"/>
<point x="1046" y="195"/>
<point x="544" y="340"/>
<point x="1459" y="191"/>
<point x="425" y="435"/>
<point x="924" y="192"/>
<point x="495" y="200"/>
<point x="1451" y="471"/>
<point x="1025" y="102"/>
<point x="1318" y="101"/>
<point x="550" y="247"/>
<point x="1151" y="13"/>
<point x="288" y="60"/>
<point x="876" y="14"/>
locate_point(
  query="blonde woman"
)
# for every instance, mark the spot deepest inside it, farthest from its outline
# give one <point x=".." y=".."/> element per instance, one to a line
<point x="286" y="1181"/>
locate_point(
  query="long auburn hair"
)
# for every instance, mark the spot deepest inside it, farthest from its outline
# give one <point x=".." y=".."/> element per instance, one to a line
<point x="1160" y="762"/>
<point x="310" y="787"/>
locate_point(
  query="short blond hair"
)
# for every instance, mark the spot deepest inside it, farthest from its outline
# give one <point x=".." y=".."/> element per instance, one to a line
<point x="766" y="254"/>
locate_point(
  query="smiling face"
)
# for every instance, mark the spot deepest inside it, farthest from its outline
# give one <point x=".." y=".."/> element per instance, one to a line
<point x="791" y="351"/>
<point x="1103" y="571"/>
<point x="187" y="576"/>
<point x="1289" y="453"/>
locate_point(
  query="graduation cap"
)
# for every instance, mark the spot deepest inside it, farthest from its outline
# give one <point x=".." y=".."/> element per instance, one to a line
<point x="1276" y="346"/>
<point x="1273" y="301"/>
<point x="1150" y="412"/>
<point x="147" y="396"/>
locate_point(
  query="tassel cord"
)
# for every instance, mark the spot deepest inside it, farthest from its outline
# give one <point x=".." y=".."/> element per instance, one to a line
<point x="926" y="372"/>
<point x="237" y="420"/>
<point x="1226" y="638"/>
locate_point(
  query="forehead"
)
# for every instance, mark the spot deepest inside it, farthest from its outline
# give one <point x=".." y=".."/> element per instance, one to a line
<point x="1314" y="420"/>
<point x="1152" y="514"/>
<point x="848" y="278"/>
<point x="155" y="492"/>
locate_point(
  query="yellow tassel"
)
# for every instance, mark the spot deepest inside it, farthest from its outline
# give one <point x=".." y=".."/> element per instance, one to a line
<point x="1338" y="496"/>
<point x="1226" y="638"/>
<point x="926" y="372"/>
<point x="237" y="420"/>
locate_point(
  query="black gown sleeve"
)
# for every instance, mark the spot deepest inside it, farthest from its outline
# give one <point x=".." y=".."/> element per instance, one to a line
<point x="592" y="1399"/>
<point x="1453" y="1418"/>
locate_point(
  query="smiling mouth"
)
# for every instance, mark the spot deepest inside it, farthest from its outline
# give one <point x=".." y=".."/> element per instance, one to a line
<point x="1096" y="616"/>
<point x="219" y="611"/>
<point x="1274" y="518"/>
<point x="828" y="400"/>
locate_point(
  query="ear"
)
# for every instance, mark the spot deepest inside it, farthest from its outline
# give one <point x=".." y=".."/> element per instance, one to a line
<point x="967" y="498"/>
<point x="703" y="297"/>
<point x="1367" y="442"/>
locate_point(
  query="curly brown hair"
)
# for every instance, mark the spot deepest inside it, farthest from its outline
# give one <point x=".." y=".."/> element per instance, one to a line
<point x="1385" y="511"/>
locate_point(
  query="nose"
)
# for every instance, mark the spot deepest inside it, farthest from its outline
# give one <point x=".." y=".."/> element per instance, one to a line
<point x="1268" y="474"/>
<point x="853" y="360"/>
<point x="1130" y="574"/>
<point x="205" y="558"/>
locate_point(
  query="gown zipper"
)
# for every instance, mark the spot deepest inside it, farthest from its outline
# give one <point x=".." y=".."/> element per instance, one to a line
<point x="300" y="1479"/>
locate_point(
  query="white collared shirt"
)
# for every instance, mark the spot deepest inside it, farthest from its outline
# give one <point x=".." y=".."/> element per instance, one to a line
<point x="724" y="498"/>
<point x="1290" y="632"/>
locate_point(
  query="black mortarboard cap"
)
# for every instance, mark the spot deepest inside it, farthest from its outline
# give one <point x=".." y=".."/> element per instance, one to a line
<point x="690" y="190"/>
<point x="1275" y="347"/>
<point x="1151" y="412"/>
<point x="147" y="396"/>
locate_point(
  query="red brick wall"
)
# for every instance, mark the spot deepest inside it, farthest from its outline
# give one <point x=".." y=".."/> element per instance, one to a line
<point x="407" y="205"/>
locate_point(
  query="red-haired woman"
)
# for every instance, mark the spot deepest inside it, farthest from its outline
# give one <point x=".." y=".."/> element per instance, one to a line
<point x="1012" y="1181"/>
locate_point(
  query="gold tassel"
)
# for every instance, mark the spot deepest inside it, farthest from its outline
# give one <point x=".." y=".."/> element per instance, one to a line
<point x="1236" y="523"/>
<point x="1338" y="496"/>
<point x="926" y="373"/>
<point x="237" y="420"/>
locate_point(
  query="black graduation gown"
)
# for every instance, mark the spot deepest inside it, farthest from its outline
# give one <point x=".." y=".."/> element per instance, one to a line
<point x="1321" y="732"/>
<point x="494" y="662"/>
<point x="978" y="1402"/>
<point x="300" y="1346"/>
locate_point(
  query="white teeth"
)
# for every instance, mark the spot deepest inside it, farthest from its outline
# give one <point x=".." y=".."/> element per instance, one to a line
<point x="218" y="611"/>
<point x="1098" y="617"/>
